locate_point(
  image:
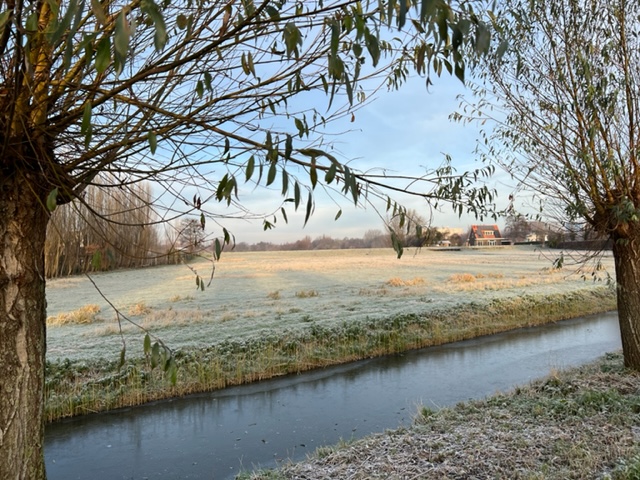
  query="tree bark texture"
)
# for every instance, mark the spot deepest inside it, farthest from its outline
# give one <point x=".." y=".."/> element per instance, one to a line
<point x="627" y="260"/>
<point x="23" y="223"/>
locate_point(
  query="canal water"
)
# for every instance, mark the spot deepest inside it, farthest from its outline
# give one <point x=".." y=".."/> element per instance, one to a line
<point x="215" y="435"/>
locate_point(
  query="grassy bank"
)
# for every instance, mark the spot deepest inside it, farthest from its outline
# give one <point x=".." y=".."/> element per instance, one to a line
<point x="80" y="387"/>
<point x="581" y="423"/>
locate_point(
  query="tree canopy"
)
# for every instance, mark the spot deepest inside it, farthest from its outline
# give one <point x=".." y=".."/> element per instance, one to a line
<point x="194" y="96"/>
<point x="562" y="89"/>
<point x="224" y="91"/>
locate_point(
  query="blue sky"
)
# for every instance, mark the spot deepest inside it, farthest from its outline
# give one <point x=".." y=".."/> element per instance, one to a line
<point x="403" y="131"/>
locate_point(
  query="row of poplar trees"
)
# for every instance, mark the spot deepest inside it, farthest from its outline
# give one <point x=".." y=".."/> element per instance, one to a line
<point x="109" y="229"/>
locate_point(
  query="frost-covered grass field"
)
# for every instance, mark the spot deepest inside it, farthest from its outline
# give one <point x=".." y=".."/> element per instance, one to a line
<point x="269" y="314"/>
<point x="257" y="294"/>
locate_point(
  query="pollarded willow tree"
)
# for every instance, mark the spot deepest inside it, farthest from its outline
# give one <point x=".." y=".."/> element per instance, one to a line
<point x="566" y="81"/>
<point x="186" y="93"/>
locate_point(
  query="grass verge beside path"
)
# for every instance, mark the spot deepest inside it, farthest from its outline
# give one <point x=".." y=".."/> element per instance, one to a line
<point x="582" y="423"/>
<point x="76" y="388"/>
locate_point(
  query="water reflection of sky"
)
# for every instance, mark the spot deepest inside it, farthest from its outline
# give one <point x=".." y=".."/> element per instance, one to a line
<point x="213" y="435"/>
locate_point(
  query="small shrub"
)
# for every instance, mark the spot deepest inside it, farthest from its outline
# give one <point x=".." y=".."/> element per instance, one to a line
<point x="82" y="316"/>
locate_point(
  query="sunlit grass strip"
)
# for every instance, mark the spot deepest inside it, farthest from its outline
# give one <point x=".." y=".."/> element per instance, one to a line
<point x="76" y="388"/>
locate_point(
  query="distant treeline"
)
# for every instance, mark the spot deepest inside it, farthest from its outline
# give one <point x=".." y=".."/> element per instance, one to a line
<point x="371" y="239"/>
<point x="115" y="228"/>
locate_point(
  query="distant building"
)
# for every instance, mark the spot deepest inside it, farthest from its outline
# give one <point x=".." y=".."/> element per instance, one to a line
<point x="484" y="235"/>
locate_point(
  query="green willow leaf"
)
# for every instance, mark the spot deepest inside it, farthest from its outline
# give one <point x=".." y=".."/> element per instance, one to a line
<point x="271" y="174"/>
<point x="309" y="208"/>
<point x="86" y="128"/>
<point x="313" y="174"/>
<point x="52" y="199"/>
<point x="296" y="195"/>
<point x="121" y="37"/>
<point x="147" y="344"/>
<point x="218" y="248"/>
<point x="153" y="142"/>
<point x="103" y="55"/>
<point x="160" y="36"/>
<point x="251" y="163"/>
<point x="98" y="12"/>
<point x="123" y="354"/>
<point x="155" y="355"/>
<point x="172" y="371"/>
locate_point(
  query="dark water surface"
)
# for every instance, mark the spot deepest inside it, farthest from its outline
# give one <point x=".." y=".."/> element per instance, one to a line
<point x="214" y="435"/>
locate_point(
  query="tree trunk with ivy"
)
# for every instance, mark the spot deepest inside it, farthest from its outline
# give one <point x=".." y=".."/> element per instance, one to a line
<point x="23" y="223"/>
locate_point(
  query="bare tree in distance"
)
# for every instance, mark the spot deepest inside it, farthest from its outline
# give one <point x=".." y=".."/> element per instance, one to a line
<point x="191" y="236"/>
<point x="200" y="98"/>
<point x="407" y="229"/>
<point x="517" y="228"/>
<point x="562" y="88"/>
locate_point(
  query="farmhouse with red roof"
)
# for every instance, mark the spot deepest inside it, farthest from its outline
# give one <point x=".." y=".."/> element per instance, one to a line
<point x="484" y="235"/>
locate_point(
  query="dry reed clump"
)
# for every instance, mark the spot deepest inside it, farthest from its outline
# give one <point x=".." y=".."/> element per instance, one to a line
<point x="551" y="270"/>
<point x="373" y="292"/>
<point x="306" y="293"/>
<point x="275" y="295"/>
<point x="398" y="282"/>
<point x="178" y="298"/>
<point x="462" y="278"/>
<point x="139" y="308"/>
<point x="171" y="317"/>
<point x="110" y="329"/>
<point x="82" y="316"/>
<point x="227" y="317"/>
<point x="470" y="278"/>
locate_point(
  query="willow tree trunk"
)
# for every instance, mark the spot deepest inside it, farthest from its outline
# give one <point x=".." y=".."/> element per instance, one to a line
<point x="23" y="223"/>
<point x="626" y="253"/>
